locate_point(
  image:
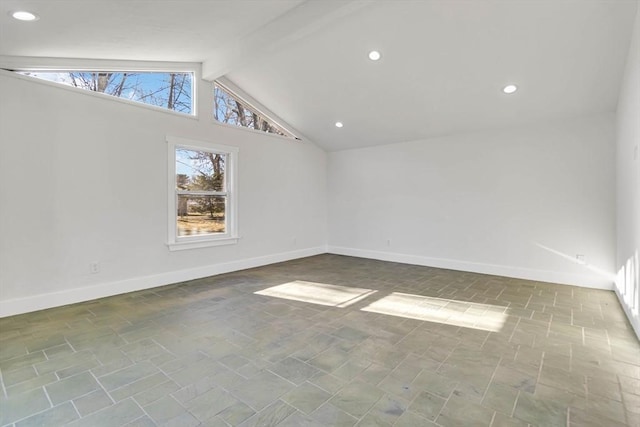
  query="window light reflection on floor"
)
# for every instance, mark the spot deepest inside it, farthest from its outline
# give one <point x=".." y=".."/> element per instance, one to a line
<point x="451" y="312"/>
<point x="318" y="293"/>
<point x="429" y="309"/>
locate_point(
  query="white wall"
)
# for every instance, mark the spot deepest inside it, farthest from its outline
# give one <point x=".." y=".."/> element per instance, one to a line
<point x="520" y="202"/>
<point x="628" y="184"/>
<point x="83" y="179"/>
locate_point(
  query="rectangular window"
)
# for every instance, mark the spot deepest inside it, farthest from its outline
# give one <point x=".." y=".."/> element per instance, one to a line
<point x="170" y="90"/>
<point x="202" y="194"/>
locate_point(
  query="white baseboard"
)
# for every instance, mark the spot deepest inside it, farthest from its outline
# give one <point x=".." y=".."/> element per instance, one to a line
<point x="70" y="296"/>
<point x="586" y="281"/>
<point x="15" y="306"/>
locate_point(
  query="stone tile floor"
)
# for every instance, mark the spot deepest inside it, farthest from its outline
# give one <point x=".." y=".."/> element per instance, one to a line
<point x="371" y="344"/>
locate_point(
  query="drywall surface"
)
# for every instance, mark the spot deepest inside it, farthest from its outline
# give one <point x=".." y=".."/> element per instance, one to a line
<point x="628" y="184"/>
<point x="83" y="179"/>
<point x="519" y="202"/>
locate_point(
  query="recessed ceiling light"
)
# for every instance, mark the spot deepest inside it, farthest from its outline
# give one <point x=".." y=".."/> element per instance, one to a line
<point x="510" y="88"/>
<point x="374" y="55"/>
<point x="339" y="124"/>
<point x="22" y="15"/>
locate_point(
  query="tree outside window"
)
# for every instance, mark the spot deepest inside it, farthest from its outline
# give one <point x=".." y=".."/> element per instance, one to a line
<point x="202" y="194"/>
<point x="170" y="90"/>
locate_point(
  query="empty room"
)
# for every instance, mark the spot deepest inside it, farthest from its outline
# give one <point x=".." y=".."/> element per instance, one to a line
<point x="319" y="213"/>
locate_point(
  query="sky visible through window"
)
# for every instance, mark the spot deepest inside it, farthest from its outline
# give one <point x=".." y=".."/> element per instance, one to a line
<point x="183" y="163"/>
<point x="170" y="90"/>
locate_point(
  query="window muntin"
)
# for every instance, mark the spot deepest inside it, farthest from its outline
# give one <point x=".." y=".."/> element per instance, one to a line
<point x="231" y="109"/>
<point x="202" y="199"/>
<point x="170" y="90"/>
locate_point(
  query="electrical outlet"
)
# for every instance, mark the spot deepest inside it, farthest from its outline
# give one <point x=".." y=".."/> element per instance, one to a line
<point x="388" y="242"/>
<point x="94" y="267"/>
<point x="295" y="241"/>
<point x="581" y="259"/>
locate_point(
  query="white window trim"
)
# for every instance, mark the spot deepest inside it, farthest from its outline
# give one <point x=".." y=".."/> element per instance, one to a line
<point x="241" y="95"/>
<point x="103" y="96"/>
<point x="20" y="63"/>
<point x="254" y="131"/>
<point x="230" y="237"/>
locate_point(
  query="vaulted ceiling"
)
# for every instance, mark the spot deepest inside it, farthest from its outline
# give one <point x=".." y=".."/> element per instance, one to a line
<point x="444" y="62"/>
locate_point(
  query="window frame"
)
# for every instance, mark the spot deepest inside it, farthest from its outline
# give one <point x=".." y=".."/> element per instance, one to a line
<point x="192" y="90"/>
<point x="252" y="105"/>
<point x="230" y="236"/>
<point x="13" y="65"/>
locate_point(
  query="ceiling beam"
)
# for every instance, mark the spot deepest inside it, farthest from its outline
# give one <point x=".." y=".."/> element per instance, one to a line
<point x="299" y="22"/>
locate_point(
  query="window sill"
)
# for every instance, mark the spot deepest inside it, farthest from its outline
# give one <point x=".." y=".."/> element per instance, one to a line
<point x="181" y="246"/>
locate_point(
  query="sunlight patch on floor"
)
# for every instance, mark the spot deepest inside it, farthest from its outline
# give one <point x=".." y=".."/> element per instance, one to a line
<point x="450" y="312"/>
<point x="318" y="293"/>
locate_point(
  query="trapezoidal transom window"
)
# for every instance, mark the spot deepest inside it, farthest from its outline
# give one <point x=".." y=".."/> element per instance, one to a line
<point x="231" y="109"/>
<point x="202" y="194"/>
<point x="170" y="90"/>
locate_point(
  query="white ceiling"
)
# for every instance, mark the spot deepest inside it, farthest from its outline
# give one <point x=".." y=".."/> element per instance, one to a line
<point x="444" y="62"/>
<point x="147" y="30"/>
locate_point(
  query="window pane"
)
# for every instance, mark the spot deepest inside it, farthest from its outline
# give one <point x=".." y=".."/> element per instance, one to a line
<point x="228" y="108"/>
<point x="168" y="90"/>
<point x="198" y="215"/>
<point x="200" y="170"/>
